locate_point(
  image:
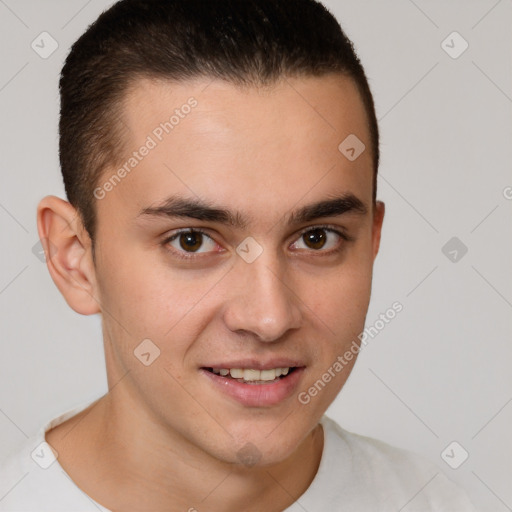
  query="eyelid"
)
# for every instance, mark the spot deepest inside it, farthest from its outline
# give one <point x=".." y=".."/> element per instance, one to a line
<point x="177" y="232"/>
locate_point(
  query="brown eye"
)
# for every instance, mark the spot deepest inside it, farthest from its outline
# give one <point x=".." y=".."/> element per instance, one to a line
<point x="191" y="241"/>
<point x="320" y="239"/>
<point x="315" y="239"/>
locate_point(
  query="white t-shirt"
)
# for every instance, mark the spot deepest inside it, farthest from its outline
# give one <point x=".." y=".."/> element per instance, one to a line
<point x="356" y="474"/>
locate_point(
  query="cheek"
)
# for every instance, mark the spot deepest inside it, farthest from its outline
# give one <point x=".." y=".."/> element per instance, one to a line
<point x="133" y="291"/>
<point x="142" y="300"/>
<point x="340" y="298"/>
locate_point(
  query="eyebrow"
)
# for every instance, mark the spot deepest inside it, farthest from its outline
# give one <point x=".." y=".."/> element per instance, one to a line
<point x="179" y="207"/>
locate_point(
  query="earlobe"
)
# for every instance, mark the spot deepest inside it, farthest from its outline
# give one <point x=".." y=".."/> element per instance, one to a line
<point x="68" y="253"/>
<point x="378" y="218"/>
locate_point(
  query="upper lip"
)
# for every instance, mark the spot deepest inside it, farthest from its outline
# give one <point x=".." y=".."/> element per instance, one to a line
<point x="256" y="364"/>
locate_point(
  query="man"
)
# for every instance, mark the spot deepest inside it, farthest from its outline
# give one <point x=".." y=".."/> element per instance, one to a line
<point x="220" y="162"/>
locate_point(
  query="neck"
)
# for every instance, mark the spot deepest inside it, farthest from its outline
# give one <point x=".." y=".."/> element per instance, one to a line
<point x="126" y="462"/>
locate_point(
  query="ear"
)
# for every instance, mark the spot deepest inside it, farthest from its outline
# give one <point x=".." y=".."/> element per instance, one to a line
<point x="378" y="218"/>
<point x="68" y="252"/>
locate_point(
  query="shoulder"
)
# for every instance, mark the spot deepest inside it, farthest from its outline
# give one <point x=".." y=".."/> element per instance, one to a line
<point x="32" y="480"/>
<point x="26" y="476"/>
<point x="395" y="477"/>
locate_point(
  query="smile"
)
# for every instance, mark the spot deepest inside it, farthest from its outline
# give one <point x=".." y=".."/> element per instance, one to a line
<point x="252" y="375"/>
<point x="254" y="387"/>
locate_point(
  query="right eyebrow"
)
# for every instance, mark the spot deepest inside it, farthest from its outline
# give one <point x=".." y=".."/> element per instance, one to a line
<point x="199" y="209"/>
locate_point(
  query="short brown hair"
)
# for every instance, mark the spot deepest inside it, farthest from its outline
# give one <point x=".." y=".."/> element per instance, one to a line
<point x="245" y="42"/>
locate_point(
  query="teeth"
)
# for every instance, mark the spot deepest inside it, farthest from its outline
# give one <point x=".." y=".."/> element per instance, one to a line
<point x="268" y="374"/>
<point x="237" y="373"/>
<point x="250" y="375"/>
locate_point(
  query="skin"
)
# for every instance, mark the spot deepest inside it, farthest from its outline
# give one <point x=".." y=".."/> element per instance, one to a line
<point x="163" y="438"/>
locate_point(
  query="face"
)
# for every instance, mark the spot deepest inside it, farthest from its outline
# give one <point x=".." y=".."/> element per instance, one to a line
<point x="240" y="241"/>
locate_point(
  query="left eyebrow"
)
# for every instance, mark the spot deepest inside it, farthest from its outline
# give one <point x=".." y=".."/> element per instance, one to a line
<point x="347" y="203"/>
<point x="178" y="207"/>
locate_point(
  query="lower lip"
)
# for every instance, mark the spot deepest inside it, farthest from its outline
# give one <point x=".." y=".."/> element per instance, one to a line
<point x="257" y="395"/>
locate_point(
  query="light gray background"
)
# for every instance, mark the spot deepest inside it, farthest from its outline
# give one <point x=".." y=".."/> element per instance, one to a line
<point x="440" y="371"/>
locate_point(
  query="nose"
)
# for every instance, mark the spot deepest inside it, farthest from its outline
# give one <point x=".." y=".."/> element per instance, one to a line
<point x="261" y="302"/>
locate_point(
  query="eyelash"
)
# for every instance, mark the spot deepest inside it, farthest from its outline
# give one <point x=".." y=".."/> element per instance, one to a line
<point x="191" y="256"/>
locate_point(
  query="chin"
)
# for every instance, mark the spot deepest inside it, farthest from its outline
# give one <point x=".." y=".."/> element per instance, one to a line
<point x="249" y="457"/>
<point x="261" y="446"/>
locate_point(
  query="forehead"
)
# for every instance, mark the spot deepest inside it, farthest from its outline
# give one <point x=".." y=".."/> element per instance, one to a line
<point x="329" y="103"/>
<point x="261" y="150"/>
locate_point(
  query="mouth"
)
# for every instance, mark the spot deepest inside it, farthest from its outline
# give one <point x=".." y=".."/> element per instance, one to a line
<point x="255" y="387"/>
<point x="253" y="375"/>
